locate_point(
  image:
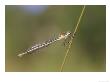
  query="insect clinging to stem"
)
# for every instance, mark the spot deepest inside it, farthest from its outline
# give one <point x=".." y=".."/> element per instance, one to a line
<point x="46" y="43"/>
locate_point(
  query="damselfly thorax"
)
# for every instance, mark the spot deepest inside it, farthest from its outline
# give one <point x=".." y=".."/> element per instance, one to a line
<point x="46" y="43"/>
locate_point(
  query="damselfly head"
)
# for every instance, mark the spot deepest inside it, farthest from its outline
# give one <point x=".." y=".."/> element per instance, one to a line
<point x="67" y="34"/>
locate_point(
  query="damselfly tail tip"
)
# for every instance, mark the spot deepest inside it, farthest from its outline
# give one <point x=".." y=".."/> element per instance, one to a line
<point x="20" y="55"/>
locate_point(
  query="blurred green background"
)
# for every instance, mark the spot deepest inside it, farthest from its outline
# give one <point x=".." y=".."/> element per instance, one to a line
<point x="28" y="25"/>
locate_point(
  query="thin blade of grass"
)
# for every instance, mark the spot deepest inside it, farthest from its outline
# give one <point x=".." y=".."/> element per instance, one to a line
<point x="70" y="42"/>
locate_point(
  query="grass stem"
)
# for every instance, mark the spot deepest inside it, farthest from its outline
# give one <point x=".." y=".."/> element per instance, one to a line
<point x="70" y="42"/>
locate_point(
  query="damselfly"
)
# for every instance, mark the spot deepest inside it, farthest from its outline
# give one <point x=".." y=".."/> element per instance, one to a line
<point x="46" y="43"/>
